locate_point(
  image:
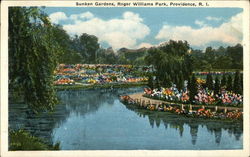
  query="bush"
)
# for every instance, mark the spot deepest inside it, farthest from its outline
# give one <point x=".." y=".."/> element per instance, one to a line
<point x="23" y="140"/>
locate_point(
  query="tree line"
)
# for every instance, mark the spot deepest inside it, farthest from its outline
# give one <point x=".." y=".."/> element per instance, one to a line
<point x="230" y="57"/>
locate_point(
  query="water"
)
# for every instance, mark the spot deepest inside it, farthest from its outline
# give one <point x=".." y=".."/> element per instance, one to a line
<point x="97" y="120"/>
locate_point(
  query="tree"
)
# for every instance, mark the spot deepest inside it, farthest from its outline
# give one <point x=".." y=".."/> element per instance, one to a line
<point x="217" y="85"/>
<point x="32" y="57"/>
<point x="67" y="54"/>
<point x="224" y="80"/>
<point x="236" y="84"/>
<point x="158" y="85"/>
<point x="209" y="82"/>
<point x="193" y="88"/>
<point x="151" y="82"/>
<point x="236" y="53"/>
<point x="89" y="46"/>
<point x="180" y="82"/>
<point x="166" y="82"/>
<point x="241" y="83"/>
<point x="171" y="60"/>
<point x="229" y="83"/>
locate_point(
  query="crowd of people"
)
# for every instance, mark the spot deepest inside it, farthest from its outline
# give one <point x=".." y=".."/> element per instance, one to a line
<point x="97" y="74"/>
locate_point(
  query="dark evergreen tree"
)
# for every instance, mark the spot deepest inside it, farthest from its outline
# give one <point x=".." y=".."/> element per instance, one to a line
<point x="189" y="83"/>
<point x="193" y="88"/>
<point x="209" y="82"/>
<point x="236" y="84"/>
<point x="158" y="85"/>
<point x="217" y="85"/>
<point x="241" y="83"/>
<point x="166" y="82"/>
<point x="151" y="82"/>
<point x="224" y="81"/>
<point x="229" y="83"/>
<point x="180" y="82"/>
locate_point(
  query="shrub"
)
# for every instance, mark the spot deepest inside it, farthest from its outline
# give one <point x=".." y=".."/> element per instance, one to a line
<point x="23" y="140"/>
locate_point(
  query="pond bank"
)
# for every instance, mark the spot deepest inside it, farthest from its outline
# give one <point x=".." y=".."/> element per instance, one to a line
<point x="98" y="86"/>
<point x="200" y="111"/>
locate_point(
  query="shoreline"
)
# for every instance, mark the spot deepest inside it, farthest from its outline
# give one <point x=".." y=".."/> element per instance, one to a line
<point x="195" y="105"/>
<point x="190" y="111"/>
<point x="98" y="86"/>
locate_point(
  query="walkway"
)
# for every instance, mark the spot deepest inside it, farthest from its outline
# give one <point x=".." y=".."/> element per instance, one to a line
<point x="140" y="98"/>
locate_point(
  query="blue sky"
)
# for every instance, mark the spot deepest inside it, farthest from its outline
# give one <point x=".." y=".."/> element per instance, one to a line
<point x="145" y="27"/>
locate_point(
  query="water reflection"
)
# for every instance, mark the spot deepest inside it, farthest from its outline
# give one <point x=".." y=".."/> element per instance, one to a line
<point x="80" y="102"/>
<point x="93" y="110"/>
<point x="214" y="127"/>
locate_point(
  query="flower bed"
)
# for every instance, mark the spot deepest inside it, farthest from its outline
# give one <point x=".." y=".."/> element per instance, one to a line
<point x="204" y="97"/>
<point x="185" y="110"/>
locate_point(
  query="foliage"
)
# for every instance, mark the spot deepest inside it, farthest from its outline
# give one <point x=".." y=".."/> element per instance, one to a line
<point x="90" y="45"/>
<point x="236" y="84"/>
<point x="230" y="57"/>
<point x="157" y="84"/>
<point x="192" y="87"/>
<point x="209" y="82"/>
<point x="106" y="56"/>
<point x="224" y="80"/>
<point x="171" y="61"/>
<point x="241" y="83"/>
<point x="23" y="140"/>
<point x="229" y="83"/>
<point x="217" y="85"/>
<point x="180" y="82"/>
<point x="151" y="82"/>
<point x="68" y="54"/>
<point x="33" y="52"/>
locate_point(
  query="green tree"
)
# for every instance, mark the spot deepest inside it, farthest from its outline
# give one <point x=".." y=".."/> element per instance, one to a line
<point x="171" y="60"/>
<point x="67" y="54"/>
<point x="33" y="53"/>
<point x="229" y="83"/>
<point x="217" y="85"/>
<point x="209" y="82"/>
<point x="236" y="54"/>
<point x="241" y="83"/>
<point x="166" y="82"/>
<point x="180" y="82"/>
<point x="151" y="82"/>
<point x="89" y="45"/>
<point x="224" y="80"/>
<point x="157" y="84"/>
<point x="193" y="88"/>
<point x="236" y="84"/>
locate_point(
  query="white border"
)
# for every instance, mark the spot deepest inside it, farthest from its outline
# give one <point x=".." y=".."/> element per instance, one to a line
<point x="134" y="153"/>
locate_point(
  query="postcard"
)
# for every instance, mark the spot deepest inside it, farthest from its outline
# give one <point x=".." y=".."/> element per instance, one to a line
<point x="125" y="78"/>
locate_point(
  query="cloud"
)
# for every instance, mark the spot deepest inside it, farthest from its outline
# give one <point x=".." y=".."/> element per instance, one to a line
<point x="117" y="32"/>
<point x="145" y="45"/>
<point x="229" y="32"/>
<point x="57" y="16"/>
<point x="83" y="16"/>
<point x="200" y="23"/>
<point x="210" y="18"/>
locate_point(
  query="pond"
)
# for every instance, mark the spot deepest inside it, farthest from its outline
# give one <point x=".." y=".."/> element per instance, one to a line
<point x="96" y="120"/>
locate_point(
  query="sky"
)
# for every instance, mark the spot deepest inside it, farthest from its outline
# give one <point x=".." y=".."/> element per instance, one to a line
<point x="145" y="27"/>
